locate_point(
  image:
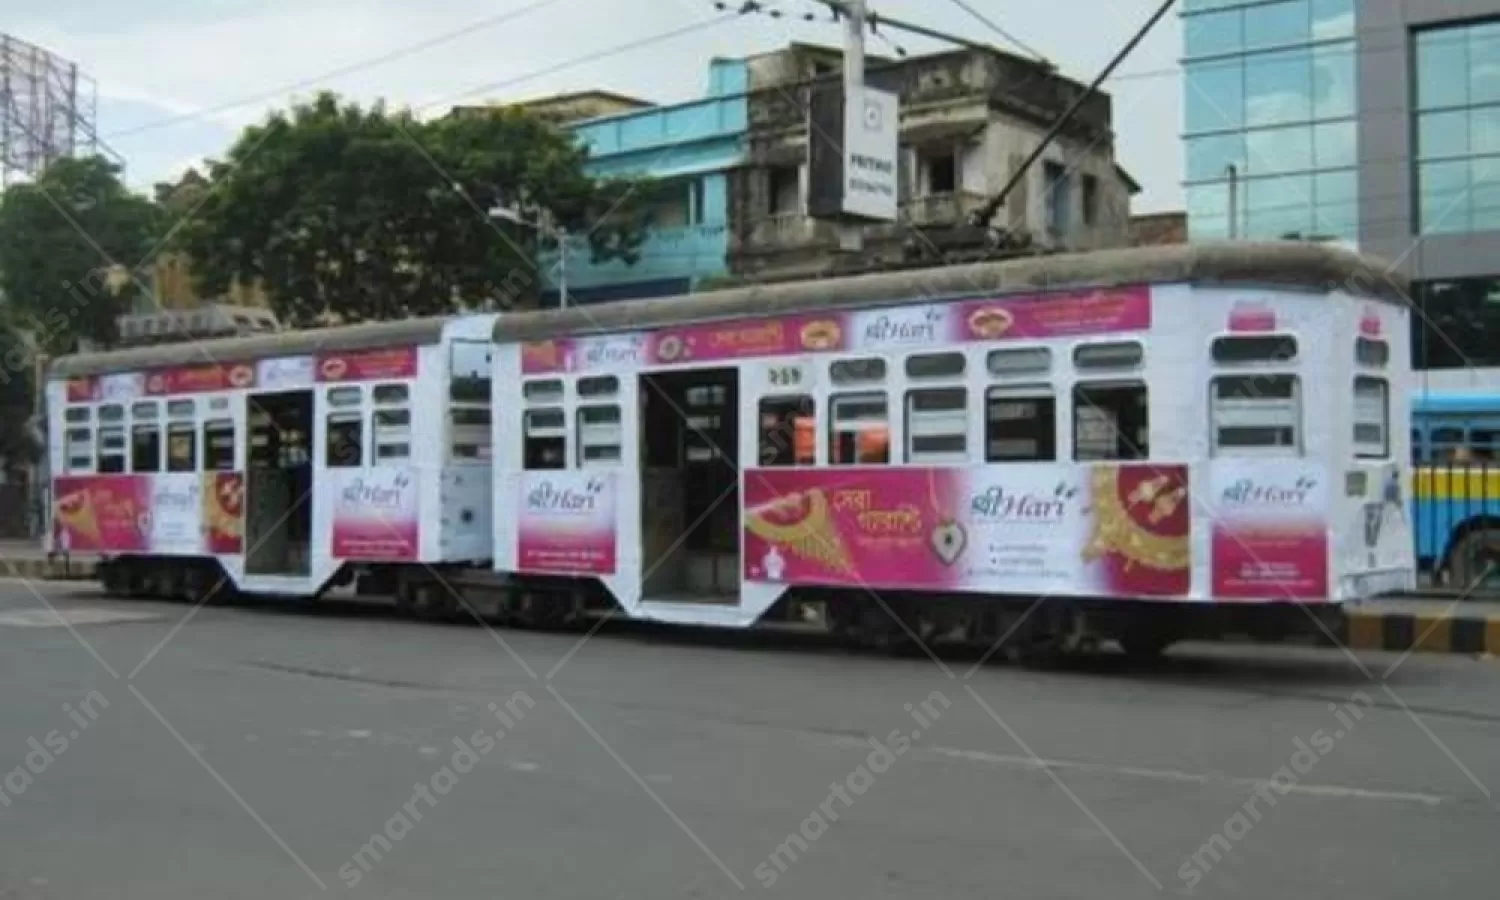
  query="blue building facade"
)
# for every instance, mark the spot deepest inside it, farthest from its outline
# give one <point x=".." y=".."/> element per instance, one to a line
<point x="688" y="149"/>
<point x="1271" y="108"/>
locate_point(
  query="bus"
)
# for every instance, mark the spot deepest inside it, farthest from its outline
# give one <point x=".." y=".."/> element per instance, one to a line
<point x="1138" y="445"/>
<point x="1456" y="502"/>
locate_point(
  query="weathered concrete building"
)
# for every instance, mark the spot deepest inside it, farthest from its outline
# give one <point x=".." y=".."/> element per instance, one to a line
<point x="968" y="120"/>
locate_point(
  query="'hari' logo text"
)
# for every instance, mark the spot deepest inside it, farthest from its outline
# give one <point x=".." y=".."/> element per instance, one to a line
<point x="614" y="352"/>
<point x="379" y="496"/>
<point x="888" y="329"/>
<point x="1022" y="506"/>
<point x="1246" y="492"/>
<point x="548" y="497"/>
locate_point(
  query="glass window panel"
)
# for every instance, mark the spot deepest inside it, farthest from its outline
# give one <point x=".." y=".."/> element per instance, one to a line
<point x="1208" y="211"/>
<point x="1484" y="197"/>
<point x="1209" y="157"/>
<point x="1275" y="150"/>
<point x="1276" y="24"/>
<point x="1278" y="88"/>
<point x="1442" y="68"/>
<point x="1334" y="91"/>
<point x="1484" y="130"/>
<point x="1214" y="33"/>
<point x="1484" y="63"/>
<point x="1443" y="134"/>
<point x="1280" y="206"/>
<point x="1332" y="19"/>
<point x="1335" y="144"/>
<point x="1199" y="5"/>
<point x="1443" y="188"/>
<point x="1215" y="96"/>
<point x="1337" y="211"/>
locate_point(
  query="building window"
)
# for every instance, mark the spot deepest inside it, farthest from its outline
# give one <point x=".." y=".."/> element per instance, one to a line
<point x="1457" y="324"/>
<point x="938" y="170"/>
<point x="1457" y="88"/>
<point x="1090" y="200"/>
<point x="784" y="190"/>
<point x="1056" y="196"/>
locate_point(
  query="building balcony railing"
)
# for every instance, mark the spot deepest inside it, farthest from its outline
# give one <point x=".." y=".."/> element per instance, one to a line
<point x="788" y="230"/>
<point x="951" y="208"/>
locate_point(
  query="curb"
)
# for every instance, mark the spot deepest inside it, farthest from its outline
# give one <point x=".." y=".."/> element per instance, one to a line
<point x="1422" y="632"/>
<point x="40" y="568"/>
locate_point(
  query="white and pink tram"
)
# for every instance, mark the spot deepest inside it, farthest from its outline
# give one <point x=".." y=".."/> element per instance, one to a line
<point x="1140" y="445"/>
<point x="288" y="463"/>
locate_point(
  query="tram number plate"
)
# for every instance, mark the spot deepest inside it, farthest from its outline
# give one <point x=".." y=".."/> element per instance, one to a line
<point x="786" y="376"/>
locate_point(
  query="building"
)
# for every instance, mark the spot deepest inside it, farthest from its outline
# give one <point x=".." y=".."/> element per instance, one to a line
<point x="1157" y="229"/>
<point x="687" y="150"/>
<point x="565" y="109"/>
<point x="968" y="119"/>
<point x="1375" y="122"/>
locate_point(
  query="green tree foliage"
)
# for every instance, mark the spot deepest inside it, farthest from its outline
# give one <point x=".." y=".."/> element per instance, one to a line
<point x="362" y="213"/>
<point x="70" y="243"/>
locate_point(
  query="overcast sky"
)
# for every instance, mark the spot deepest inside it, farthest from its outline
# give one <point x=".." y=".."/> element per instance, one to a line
<point x="177" y="79"/>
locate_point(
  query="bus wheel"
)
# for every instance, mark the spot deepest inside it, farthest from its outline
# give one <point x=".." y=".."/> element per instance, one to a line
<point x="1474" y="560"/>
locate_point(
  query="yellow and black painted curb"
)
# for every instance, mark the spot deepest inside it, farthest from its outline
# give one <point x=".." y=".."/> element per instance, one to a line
<point x="40" y="568"/>
<point x="1440" y="631"/>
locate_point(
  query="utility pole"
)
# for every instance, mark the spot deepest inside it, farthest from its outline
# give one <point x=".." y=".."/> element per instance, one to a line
<point x="851" y="237"/>
<point x="1234" y="201"/>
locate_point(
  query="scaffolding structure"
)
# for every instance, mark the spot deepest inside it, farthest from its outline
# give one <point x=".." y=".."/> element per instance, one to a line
<point x="48" y="110"/>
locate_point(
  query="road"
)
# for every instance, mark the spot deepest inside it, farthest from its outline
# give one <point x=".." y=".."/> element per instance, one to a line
<point x="254" y="751"/>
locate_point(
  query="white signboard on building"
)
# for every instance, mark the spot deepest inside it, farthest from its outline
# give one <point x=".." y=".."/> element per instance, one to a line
<point x="871" y="124"/>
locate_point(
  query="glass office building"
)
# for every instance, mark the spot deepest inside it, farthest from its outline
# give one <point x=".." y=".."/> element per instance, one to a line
<point x="1457" y="105"/>
<point x="1271" y="133"/>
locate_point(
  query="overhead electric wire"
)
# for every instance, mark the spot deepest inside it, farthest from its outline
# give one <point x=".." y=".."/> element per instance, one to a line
<point x="991" y="24"/>
<point x="372" y="62"/>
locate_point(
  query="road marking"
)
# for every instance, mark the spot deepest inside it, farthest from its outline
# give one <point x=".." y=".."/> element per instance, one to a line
<point x="1027" y="762"/>
<point x="72" y="616"/>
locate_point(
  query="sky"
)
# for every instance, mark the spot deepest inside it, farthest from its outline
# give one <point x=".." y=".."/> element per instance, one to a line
<point x="178" y="79"/>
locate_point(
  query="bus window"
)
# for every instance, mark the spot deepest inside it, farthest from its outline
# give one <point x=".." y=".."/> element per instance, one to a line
<point x="1020" y="425"/>
<point x="392" y="435"/>
<point x="599" y="436"/>
<point x="1373" y="353"/>
<point x="544" y="439"/>
<point x="937" y="425"/>
<point x="598" y="386"/>
<point x="346" y="440"/>
<point x="1372" y="413"/>
<point x="78" y="449"/>
<point x="935" y="365"/>
<point x="181" y="409"/>
<point x="1020" y="361"/>
<point x="788" y="431"/>
<point x="469" y="434"/>
<point x="857" y="371"/>
<point x="1444" y="443"/>
<point x="860" y="430"/>
<point x="218" y="445"/>
<point x="145" y="448"/>
<point x="78" y="414"/>
<point x="181" y="453"/>
<point x="112" y="449"/>
<point x="1110" y="421"/>
<point x="1256" y="415"/>
<point x="1117" y="355"/>
<point x="547" y="391"/>
<point x="1418" y="450"/>
<point x="1484" y="442"/>
<point x="1254" y="348"/>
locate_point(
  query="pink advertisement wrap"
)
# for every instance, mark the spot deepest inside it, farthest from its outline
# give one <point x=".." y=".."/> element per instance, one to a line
<point x="1270" y="531"/>
<point x="999" y="319"/>
<point x="566" y="522"/>
<point x="1045" y="528"/>
<point x="102" y="513"/>
<point x="375" y="513"/>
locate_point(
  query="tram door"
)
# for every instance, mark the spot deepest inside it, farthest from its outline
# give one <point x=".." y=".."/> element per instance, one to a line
<point x="690" y="510"/>
<point x="278" y="484"/>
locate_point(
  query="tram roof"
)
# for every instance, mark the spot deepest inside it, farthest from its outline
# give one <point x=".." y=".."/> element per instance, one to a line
<point x="336" y="339"/>
<point x="1283" y="264"/>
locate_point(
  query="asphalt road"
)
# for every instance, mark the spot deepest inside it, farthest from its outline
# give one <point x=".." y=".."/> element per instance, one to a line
<point x="254" y="752"/>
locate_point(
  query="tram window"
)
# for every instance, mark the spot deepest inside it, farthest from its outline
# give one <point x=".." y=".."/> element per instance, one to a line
<point x="112" y="450"/>
<point x="599" y="435"/>
<point x="112" y="412"/>
<point x="218" y="445"/>
<point x="181" y="409"/>
<point x="788" y="431"/>
<point x="145" y="448"/>
<point x="1370" y="352"/>
<point x="78" y="449"/>
<point x="346" y="440"/>
<point x="392" y="434"/>
<point x="1020" y="425"/>
<point x="857" y="371"/>
<point x="937" y="425"/>
<point x="1029" y="361"/>
<point x="145" y="412"/>
<point x="390" y="394"/>
<point x="1254" y="348"/>
<point x="1372" y="413"/>
<point x="544" y="439"/>
<point x="218" y="403"/>
<point x="1484" y="442"/>
<point x="598" y="386"/>
<point x="181" y="454"/>
<point x="469" y="435"/>
<point x="860" y="430"/>
<point x="78" y="414"/>
<point x="1110" y="421"/>
<point x="345" y="396"/>
<point x="547" y="391"/>
<point x="1256" y="414"/>
<point x="935" y="365"/>
<point x="1118" y="355"/>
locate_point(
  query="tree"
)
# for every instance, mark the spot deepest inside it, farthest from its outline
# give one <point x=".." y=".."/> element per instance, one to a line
<point x="358" y="213"/>
<point x="71" y="245"/>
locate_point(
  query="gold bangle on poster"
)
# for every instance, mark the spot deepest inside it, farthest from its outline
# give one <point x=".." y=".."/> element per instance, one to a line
<point x="812" y="537"/>
<point x="1116" y="532"/>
